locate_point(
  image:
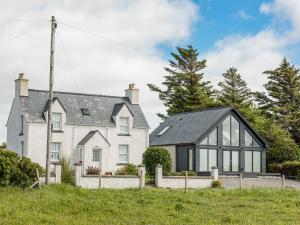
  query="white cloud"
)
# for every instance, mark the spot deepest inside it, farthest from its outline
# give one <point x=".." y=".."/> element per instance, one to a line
<point x="97" y="65"/>
<point x="244" y="15"/>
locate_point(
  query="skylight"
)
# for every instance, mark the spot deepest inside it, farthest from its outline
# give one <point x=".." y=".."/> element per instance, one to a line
<point x="85" y="112"/>
<point x="163" y="131"/>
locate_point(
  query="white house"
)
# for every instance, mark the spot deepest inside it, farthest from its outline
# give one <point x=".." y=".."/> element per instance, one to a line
<point x="105" y="131"/>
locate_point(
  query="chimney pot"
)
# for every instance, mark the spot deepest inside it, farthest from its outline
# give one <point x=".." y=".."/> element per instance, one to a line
<point x="21" y="75"/>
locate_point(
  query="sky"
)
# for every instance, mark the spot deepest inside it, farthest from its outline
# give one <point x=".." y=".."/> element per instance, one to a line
<point x="102" y="46"/>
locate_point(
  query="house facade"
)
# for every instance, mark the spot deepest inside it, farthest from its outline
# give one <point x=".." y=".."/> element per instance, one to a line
<point x="98" y="130"/>
<point x="218" y="137"/>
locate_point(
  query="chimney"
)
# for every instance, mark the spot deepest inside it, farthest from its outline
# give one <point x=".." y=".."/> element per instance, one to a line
<point x="133" y="94"/>
<point x="21" y="86"/>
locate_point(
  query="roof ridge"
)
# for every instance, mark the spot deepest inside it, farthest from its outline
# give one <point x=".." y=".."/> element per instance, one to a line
<point x="75" y="93"/>
<point x="202" y="110"/>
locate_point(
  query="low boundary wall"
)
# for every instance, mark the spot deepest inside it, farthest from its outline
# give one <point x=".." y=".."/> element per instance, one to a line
<point x="54" y="179"/>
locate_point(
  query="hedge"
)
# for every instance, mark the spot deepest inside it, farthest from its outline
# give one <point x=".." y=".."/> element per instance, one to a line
<point x="288" y="168"/>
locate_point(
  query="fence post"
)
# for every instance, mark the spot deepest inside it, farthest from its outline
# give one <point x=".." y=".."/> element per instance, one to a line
<point x="38" y="177"/>
<point x="141" y="174"/>
<point x="78" y="174"/>
<point x="57" y="173"/>
<point x="100" y="180"/>
<point x="283" y="181"/>
<point x="241" y="180"/>
<point x="185" y="181"/>
<point x="214" y="173"/>
<point x="158" y="175"/>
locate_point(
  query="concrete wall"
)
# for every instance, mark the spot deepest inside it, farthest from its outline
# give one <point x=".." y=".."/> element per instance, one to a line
<point x="109" y="182"/>
<point x="177" y="182"/>
<point x="71" y="135"/>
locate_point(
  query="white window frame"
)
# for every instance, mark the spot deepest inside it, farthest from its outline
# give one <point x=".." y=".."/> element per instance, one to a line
<point x="59" y="122"/>
<point x="54" y="151"/>
<point x="124" y="126"/>
<point x="127" y="154"/>
<point x="96" y="149"/>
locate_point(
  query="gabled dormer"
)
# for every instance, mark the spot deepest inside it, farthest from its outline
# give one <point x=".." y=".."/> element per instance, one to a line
<point x="123" y="118"/>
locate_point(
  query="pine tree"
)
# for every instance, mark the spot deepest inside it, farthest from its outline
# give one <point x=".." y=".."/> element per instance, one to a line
<point x="234" y="91"/>
<point x="282" y="100"/>
<point x="185" y="88"/>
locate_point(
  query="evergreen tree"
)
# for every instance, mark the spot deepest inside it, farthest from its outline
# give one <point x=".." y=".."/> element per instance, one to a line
<point x="234" y="91"/>
<point x="282" y="100"/>
<point x="185" y="88"/>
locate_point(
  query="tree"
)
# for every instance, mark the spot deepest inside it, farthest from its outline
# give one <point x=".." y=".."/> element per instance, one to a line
<point x="185" y="88"/>
<point x="282" y="100"/>
<point x="234" y="91"/>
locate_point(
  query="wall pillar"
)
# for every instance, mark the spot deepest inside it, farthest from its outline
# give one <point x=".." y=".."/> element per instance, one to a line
<point x="158" y="175"/>
<point x="215" y="173"/>
<point x="57" y="173"/>
<point x="141" y="174"/>
<point x="78" y="174"/>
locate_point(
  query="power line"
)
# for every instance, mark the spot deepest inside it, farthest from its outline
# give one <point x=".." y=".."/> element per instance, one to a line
<point x="67" y="61"/>
<point x="113" y="41"/>
<point x="25" y="20"/>
<point x="21" y="34"/>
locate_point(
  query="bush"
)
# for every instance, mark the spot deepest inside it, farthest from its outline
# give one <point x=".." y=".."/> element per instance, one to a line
<point x="190" y="173"/>
<point x="16" y="171"/>
<point x="216" y="184"/>
<point x="67" y="173"/>
<point x="128" y="169"/>
<point x="92" y="170"/>
<point x="154" y="156"/>
<point x="288" y="168"/>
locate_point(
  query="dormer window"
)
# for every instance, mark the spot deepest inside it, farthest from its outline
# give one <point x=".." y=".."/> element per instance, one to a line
<point x="124" y="125"/>
<point x="85" y="112"/>
<point x="56" y="121"/>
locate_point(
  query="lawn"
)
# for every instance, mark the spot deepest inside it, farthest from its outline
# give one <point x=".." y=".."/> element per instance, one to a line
<point x="61" y="204"/>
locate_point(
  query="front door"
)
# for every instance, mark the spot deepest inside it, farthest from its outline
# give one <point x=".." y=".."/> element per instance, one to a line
<point x="230" y="161"/>
<point x="184" y="158"/>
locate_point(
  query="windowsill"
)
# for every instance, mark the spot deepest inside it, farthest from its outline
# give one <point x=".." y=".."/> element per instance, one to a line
<point x="120" y="134"/>
<point x="122" y="164"/>
<point x="57" y="131"/>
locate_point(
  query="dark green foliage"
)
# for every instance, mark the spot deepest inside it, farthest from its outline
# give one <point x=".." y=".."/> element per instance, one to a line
<point x="216" y="184"/>
<point x="185" y="88"/>
<point x="234" y="91"/>
<point x="67" y="173"/>
<point x="156" y="155"/>
<point x="128" y="169"/>
<point x="288" y="168"/>
<point x="282" y="101"/>
<point x="92" y="170"/>
<point x="16" y="171"/>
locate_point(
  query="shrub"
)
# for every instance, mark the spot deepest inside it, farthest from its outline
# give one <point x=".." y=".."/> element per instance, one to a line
<point x="216" y="184"/>
<point x="128" y="169"/>
<point x="92" y="170"/>
<point x="16" y="171"/>
<point x="154" y="156"/>
<point x="67" y="173"/>
<point x="288" y="168"/>
<point x="190" y="173"/>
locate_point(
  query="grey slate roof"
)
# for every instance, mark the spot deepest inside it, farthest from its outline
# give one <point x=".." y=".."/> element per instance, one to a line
<point x="89" y="136"/>
<point x="187" y="128"/>
<point x="100" y="108"/>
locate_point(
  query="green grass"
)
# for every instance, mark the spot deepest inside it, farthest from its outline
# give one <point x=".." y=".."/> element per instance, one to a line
<point x="63" y="204"/>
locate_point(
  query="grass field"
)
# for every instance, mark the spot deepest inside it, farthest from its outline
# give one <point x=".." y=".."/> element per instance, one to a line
<point x="68" y="205"/>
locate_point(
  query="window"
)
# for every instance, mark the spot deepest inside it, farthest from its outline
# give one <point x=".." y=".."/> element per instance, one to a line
<point x="22" y="124"/>
<point x="249" y="140"/>
<point x="208" y="159"/>
<point x="80" y="154"/>
<point x="123" y="154"/>
<point x="56" y="121"/>
<point x="85" y="112"/>
<point x="55" y="151"/>
<point x="231" y="132"/>
<point x="230" y="161"/>
<point x="163" y="131"/>
<point x="190" y="159"/>
<point x="252" y="161"/>
<point x="124" y="127"/>
<point x="211" y="139"/>
<point x="96" y="155"/>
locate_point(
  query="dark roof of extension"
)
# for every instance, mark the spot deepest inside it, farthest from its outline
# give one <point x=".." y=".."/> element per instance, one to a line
<point x="101" y="108"/>
<point x="187" y="128"/>
<point x="89" y="136"/>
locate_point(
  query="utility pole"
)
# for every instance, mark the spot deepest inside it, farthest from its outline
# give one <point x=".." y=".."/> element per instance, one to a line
<point x="49" y="125"/>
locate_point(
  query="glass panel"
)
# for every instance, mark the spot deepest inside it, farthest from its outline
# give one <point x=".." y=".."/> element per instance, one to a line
<point x="203" y="159"/>
<point x="235" y="161"/>
<point x="256" y="162"/>
<point x="123" y="158"/>
<point x="123" y="153"/>
<point x="248" y="139"/>
<point x="255" y="144"/>
<point x="124" y="125"/>
<point x="213" y="137"/>
<point x="235" y="132"/>
<point x="56" y="121"/>
<point x="212" y="158"/>
<point x="204" y="142"/>
<point x="226" y="160"/>
<point x="96" y="155"/>
<point x="190" y="159"/>
<point x="248" y="161"/>
<point x="226" y="131"/>
<point x="55" y="151"/>
<point x="123" y="149"/>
